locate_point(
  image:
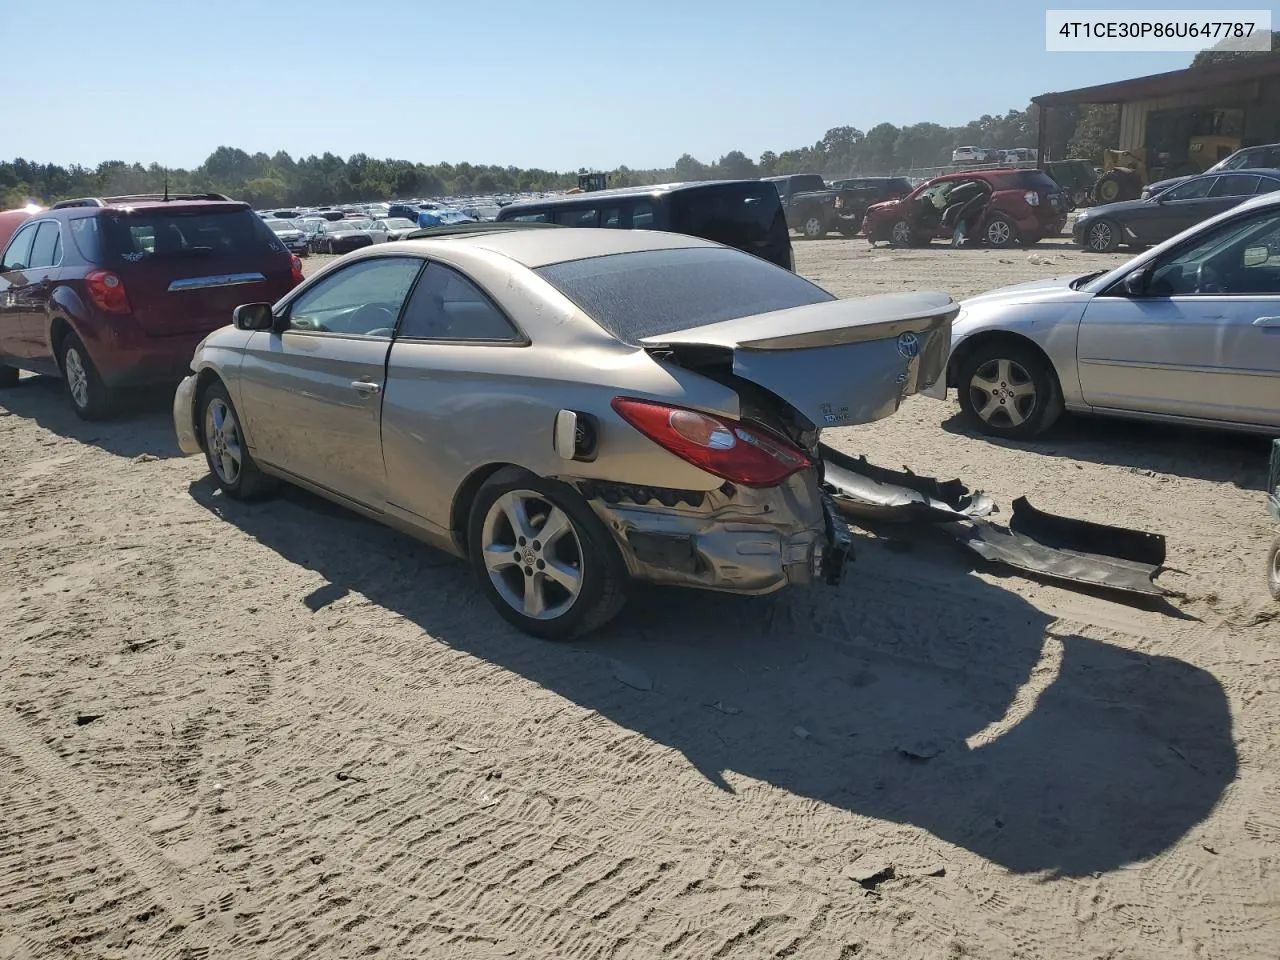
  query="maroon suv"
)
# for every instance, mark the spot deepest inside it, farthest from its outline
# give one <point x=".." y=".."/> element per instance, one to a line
<point x="116" y="292"/>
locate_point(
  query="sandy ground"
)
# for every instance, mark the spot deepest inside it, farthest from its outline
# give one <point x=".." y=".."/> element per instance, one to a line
<point x="276" y="730"/>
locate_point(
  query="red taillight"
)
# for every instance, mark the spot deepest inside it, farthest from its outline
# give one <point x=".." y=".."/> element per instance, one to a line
<point x="295" y="264"/>
<point x="106" y="290"/>
<point x="723" y="447"/>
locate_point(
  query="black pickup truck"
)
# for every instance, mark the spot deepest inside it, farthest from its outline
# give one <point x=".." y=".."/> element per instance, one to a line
<point x="815" y="210"/>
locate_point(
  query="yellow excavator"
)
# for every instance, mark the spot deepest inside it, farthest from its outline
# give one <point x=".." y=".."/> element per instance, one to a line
<point x="1126" y="172"/>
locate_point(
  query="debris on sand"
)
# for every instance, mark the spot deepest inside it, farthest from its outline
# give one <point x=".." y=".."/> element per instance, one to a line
<point x="870" y="870"/>
<point x="83" y="719"/>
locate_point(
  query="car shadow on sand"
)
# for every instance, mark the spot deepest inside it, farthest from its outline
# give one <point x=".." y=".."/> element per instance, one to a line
<point x="915" y="693"/>
<point x="1195" y="453"/>
<point x="142" y="424"/>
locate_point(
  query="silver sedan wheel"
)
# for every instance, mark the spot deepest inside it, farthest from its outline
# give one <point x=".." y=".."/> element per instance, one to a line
<point x="222" y="437"/>
<point x="533" y="555"/>
<point x="77" y="377"/>
<point x="1003" y="393"/>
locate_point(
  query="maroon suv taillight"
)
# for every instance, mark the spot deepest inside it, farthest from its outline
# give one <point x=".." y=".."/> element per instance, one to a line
<point x="723" y="447"/>
<point x="295" y="265"/>
<point x="107" y="292"/>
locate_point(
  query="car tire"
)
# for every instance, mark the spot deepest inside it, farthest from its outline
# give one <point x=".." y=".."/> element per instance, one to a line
<point x="1008" y="389"/>
<point x="900" y="234"/>
<point x="230" y="464"/>
<point x="1101" y="236"/>
<point x="583" y="546"/>
<point x="1273" y="569"/>
<point x="90" y="398"/>
<point x="9" y="377"/>
<point x="999" y="232"/>
<point x="814" y="227"/>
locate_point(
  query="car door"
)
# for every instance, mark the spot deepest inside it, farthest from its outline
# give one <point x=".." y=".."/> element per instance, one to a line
<point x="14" y="292"/>
<point x="1204" y="340"/>
<point x="435" y="377"/>
<point x="42" y="274"/>
<point x="1184" y="206"/>
<point x="311" y="395"/>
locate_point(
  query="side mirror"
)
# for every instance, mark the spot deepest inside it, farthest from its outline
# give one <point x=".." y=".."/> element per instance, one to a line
<point x="1255" y="256"/>
<point x="1136" y="283"/>
<point x="253" y="316"/>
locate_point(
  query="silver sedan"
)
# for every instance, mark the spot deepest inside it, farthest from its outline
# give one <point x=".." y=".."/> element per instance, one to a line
<point x="567" y="409"/>
<point x="1187" y="332"/>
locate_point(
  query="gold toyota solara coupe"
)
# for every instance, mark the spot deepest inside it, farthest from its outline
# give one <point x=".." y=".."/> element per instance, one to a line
<point x="568" y="410"/>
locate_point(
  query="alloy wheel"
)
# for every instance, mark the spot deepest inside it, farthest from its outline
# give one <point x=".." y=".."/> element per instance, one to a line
<point x="77" y="378"/>
<point x="1100" y="237"/>
<point x="222" y="435"/>
<point x="532" y="554"/>
<point x="901" y="233"/>
<point x="999" y="233"/>
<point x="1003" y="393"/>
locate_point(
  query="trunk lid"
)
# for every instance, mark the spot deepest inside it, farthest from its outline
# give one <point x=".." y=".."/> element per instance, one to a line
<point x="187" y="266"/>
<point x="839" y="362"/>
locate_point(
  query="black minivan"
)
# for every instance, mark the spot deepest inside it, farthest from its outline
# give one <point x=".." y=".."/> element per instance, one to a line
<point x="738" y="213"/>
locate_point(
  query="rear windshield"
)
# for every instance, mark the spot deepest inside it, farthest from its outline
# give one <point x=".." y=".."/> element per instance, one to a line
<point x="652" y="292"/>
<point x="212" y="234"/>
<point x="1024" y="180"/>
<point x="739" y="216"/>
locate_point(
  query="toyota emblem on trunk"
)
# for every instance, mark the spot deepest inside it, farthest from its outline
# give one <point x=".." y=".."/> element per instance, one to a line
<point x="909" y="345"/>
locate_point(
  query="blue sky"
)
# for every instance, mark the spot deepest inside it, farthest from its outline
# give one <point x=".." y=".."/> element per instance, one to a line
<point x="543" y="83"/>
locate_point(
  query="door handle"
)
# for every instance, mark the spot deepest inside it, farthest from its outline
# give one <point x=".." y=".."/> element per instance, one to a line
<point x="366" y="386"/>
<point x="1267" y="322"/>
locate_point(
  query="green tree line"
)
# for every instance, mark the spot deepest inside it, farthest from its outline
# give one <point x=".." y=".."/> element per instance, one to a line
<point x="274" y="180"/>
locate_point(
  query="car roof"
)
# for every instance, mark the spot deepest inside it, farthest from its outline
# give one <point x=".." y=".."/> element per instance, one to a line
<point x="540" y="248"/>
<point x="651" y="190"/>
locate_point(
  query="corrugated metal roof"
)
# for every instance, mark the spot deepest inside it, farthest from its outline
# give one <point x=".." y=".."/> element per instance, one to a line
<point x="1190" y="80"/>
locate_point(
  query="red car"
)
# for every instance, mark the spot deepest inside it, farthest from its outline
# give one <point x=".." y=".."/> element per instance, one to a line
<point x="115" y="293"/>
<point x="1016" y="207"/>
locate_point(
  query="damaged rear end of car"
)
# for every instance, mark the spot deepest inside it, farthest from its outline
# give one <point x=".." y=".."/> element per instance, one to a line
<point x="813" y="363"/>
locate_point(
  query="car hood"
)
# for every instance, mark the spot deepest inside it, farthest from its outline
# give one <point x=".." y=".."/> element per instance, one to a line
<point x="1117" y="209"/>
<point x="1033" y="291"/>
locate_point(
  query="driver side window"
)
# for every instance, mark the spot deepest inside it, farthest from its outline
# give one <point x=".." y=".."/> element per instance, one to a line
<point x="1240" y="258"/>
<point x="363" y="299"/>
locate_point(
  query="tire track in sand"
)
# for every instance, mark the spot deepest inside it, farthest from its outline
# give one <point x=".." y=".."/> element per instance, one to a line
<point x="42" y="824"/>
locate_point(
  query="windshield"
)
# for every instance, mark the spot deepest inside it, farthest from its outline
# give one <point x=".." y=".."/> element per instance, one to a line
<point x="355" y="224"/>
<point x="399" y="223"/>
<point x="652" y="292"/>
<point x="279" y="225"/>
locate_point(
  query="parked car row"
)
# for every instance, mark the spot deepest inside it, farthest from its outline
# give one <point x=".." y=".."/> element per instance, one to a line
<point x="680" y="386"/>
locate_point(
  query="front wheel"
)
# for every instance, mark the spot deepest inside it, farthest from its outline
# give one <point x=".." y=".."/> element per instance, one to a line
<point x="1008" y="389"/>
<point x="900" y="234"/>
<point x="89" y="396"/>
<point x="544" y="560"/>
<point x="1102" y="236"/>
<point x="230" y="463"/>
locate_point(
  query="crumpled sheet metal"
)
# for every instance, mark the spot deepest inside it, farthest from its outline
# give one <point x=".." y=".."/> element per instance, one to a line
<point x="1060" y="548"/>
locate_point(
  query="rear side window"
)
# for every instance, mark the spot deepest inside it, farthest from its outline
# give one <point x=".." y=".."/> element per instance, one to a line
<point x="44" y="252"/>
<point x="578" y="217"/>
<point x="1267" y="185"/>
<point x="1235" y="185"/>
<point x="540" y="216"/>
<point x="652" y="292"/>
<point x="86" y="234"/>
<point x="211" y="234"/>
<point x="738" y="217"/>
<point x="445" y="305"/>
